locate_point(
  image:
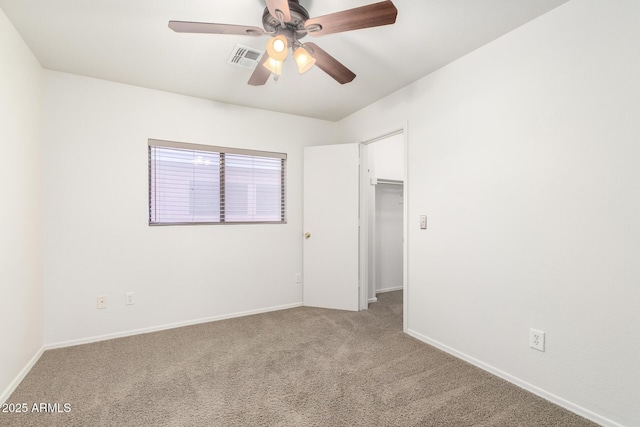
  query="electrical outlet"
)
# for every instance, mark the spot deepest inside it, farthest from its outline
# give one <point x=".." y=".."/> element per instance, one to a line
<point x="298" y="278"/>
<point x="102" y="301"/>
<point x="536" y="339"/>
<point x="131" y="298"/>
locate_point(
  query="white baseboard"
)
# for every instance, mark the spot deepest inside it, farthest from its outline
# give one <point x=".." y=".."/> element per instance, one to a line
<point x="373" y="300"/>
<point x="23" y="373"/>
<point x="520" y="383"/>
<point x="381" y="291"/>
<point x="166" y="326"/>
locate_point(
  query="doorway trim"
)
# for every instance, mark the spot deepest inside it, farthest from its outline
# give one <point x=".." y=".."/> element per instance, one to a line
<point x="364" y="223"/>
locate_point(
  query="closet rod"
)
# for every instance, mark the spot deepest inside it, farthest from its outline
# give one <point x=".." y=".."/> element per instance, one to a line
<point x="376" y="181"/>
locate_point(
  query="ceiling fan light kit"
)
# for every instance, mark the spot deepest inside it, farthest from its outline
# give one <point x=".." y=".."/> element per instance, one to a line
<point x="286" y="21"/>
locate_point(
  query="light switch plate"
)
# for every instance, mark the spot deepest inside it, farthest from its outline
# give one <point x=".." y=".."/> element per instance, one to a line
<point x="423" y="222"/>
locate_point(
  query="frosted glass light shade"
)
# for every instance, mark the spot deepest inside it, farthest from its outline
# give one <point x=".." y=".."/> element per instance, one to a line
<point x="277" y="48"/>
<point x="273" y="66"/>
<point x="303" y="59"/>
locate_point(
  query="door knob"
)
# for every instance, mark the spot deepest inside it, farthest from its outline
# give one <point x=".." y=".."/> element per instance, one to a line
<point x="307" y="235"/>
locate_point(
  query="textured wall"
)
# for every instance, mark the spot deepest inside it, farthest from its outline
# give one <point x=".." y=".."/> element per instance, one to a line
<point x="525" y="156"/>
<point x="97" y="238"/>
<point x="20" y="207"/>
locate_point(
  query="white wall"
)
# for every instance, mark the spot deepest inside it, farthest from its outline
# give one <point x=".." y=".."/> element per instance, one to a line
<point x="21" y="290"/>
<point x="97" y="238"/>
<point x="525" y="156"/>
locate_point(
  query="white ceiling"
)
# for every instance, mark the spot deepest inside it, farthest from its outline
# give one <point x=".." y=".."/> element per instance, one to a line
<point x="128" y="41"/>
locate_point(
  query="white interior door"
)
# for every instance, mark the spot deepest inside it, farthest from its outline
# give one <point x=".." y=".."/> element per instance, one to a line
<point x="331" y="209"/>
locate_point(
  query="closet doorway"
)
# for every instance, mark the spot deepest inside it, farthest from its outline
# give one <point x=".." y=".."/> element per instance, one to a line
<point x="383" y="186"/>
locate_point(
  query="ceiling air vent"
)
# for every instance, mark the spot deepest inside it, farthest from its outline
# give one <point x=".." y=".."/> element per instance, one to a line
<point x="245" y="57"/>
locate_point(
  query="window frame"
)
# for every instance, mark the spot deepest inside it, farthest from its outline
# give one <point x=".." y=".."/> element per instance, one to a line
<point x="222" y="151"/>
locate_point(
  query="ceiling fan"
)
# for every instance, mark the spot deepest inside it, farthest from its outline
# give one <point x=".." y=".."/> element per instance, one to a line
<point x="286" y="21"/>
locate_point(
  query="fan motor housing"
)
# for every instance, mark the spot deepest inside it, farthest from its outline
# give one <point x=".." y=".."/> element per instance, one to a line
<point x="299" y="16"/>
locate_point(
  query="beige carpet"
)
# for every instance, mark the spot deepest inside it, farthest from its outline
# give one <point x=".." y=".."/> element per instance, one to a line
<point x="298" y="367"/>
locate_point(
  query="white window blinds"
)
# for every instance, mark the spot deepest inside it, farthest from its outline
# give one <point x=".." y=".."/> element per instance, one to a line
<point x="199" y="184"/>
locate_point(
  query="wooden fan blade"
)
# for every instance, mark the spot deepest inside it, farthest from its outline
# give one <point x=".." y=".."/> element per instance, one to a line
<point x="329" y="64"/>
<point x="279" y="5"/>
<point x="210" y="28"/>
<point x="260" y="74"/>
<point x="373" y="15"/>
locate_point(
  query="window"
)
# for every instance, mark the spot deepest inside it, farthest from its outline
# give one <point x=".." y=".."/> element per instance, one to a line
<point x="201" y="184"/>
